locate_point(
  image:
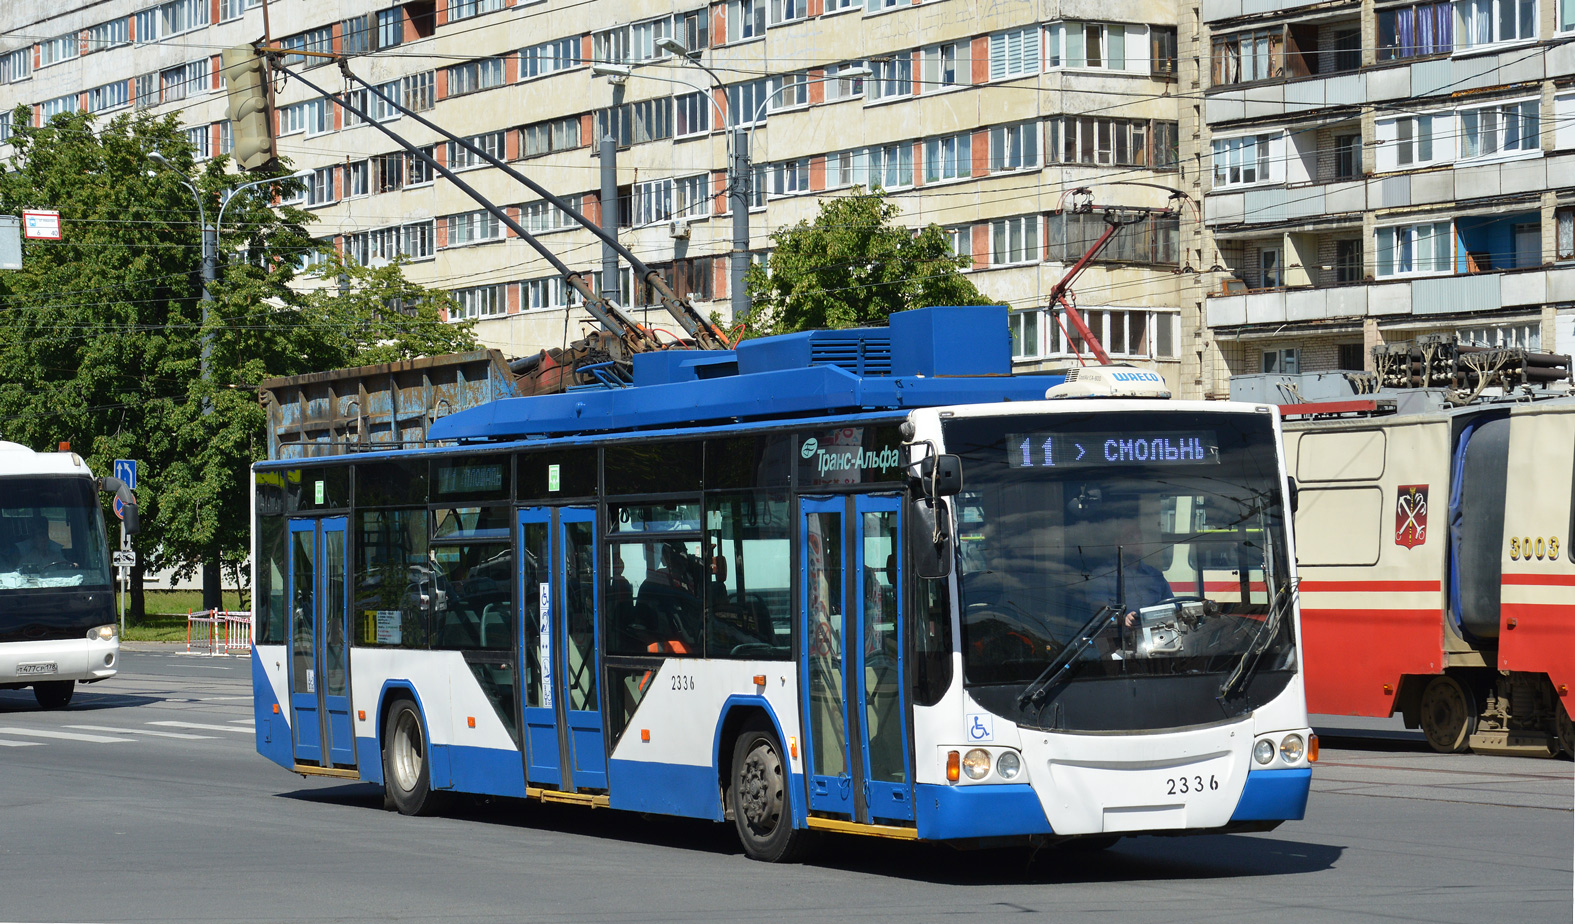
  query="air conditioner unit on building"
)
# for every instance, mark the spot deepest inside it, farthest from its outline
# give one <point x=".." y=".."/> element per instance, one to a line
<point x="678" y="228"/>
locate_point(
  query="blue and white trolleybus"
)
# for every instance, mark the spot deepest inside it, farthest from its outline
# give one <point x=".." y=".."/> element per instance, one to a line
<point x="863" y="581"/>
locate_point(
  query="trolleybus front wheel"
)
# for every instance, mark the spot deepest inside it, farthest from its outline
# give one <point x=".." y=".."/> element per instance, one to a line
<point x="407" y="781"/>
<point x="759" y="797"/>
<point x="1448" y="714"/>
<point x="54" y="694"/>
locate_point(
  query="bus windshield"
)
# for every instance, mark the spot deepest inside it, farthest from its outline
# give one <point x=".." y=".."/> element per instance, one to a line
<point x="51" y="534"/>
<point x="1152" y="542"/>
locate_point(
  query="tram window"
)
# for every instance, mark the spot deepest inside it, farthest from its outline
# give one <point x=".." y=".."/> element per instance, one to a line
<point x="931" y="623"/>
<point x="271" y="580"/>
<point x="679" y="516"/>
<point x="759" y="461"/>
<point x="557" y="473"/>
<point x="473" y="478"/>
<point x="653" y="468"/>
<point x="391" y="484"/>
<point x="495" y="675"/>
<point x="471" y="605"/>
<point x="653" y="597"/>
<point x="394" y="586"/>
<point x="319" y="488"/>
<point x="748" y="595"/>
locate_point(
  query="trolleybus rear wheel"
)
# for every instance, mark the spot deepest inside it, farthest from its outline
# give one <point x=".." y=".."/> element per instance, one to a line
<point x="1448" y="714"/>
<point x="54" y="694"/>
<point x="407" y="780"/>
<point x="760" y="800"/>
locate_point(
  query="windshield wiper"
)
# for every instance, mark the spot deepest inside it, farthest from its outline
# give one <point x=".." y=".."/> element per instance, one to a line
<point x="1037" y="691"/>
<point x="1248" y="664"/>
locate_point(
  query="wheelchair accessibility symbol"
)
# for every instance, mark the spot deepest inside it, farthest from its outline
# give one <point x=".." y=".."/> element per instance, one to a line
<point x="981" y="727"/>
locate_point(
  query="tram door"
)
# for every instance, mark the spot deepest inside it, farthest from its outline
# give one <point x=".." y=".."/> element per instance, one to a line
<point x="319" y="643"/>
<point x="855" y="728"/>
<point x="562" y="690"/>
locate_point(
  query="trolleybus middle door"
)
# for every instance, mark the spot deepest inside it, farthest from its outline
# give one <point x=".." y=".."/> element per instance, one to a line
<point x="539" y="709"/>
<point x="319" y="643"/>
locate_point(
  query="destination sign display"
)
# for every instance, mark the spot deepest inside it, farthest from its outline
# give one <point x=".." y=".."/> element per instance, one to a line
<point x="1094" y="450"/>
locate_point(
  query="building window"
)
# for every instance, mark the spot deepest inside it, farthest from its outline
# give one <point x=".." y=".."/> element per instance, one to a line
<point x="1156" y="240"/>
<point x="692" y="112"/>
<point x="356" y="34"/>
<point x="1271" y="268"/>
<point x="1014" y="240"/>
<point x="1134" y="333"/>
<point x="790" y="178"/>
<point x="691" y="196"/>
<point x="959" y="240"/>
<point x="744" y="102"/>
<point x="1025" y="334"/>
<point x="226" y="136"/>
<point x="1247" y="56"/>
<point x="844" y="87"/>
<point x="632" y="43"/>
<point x="948" y="158"/>
<point x="1282" y="362"/>
<point x="893" y="76"/>
<point x="891" y="166"/>
<point x="1414" y="249"/>
<point x="473" y="227"/>
<point x="232" y="9"/>
<point x="1348" y="157"/>
<point x="1091" y="44"/>
<point x="387" y="172"/>
<point x="16" y="66"/>
<point x="1351" y="356"/>
<point x="1486" y="22"/>
<point x="319" y="40"/>
<point x="637" y="123"/>
<point x="1014" y="53"/>
<point x="48" y="109"/>
<point x="1116" y="142"/>
<point x="746" y="19"/>
<point x="1347" y="261"/>
<point x="652" y="202"/>
<point x="549" y="58"/>
<point x="109" y="34"/>
<point x="419" y="90"/>
<point x="1564" y="231"/>
<point x="788" y="91"/>
<point x="109" y="96"/>
<point x="1241" y="161"/>
<point x="473" y="76"/>
<point x="939" y="70"/>
<point x="390" y="27"/>
<point x="1409" y="141"/>
<point x="1162" y="51"/>
<point x="379" y="110"/>
<point x="460" y="157"/>
<point x="356" y="177"/>
<point x="200" y="139"/>
<point x="480" y="302"/>
<point x="172" y="18"/>
<point x="1522" y="336"/>
<point x="542" y="216"/>
<point x="547" y="137"/>
<point x="1504" y="129"/>
<point x="310" y="117"/>
<point x="788" y="10"/>
<point x="5" y="127"/>
<point x="418" y="171"/>
<point x="465" y="9"/>
<point x="1347" y="50"/>
<point x="694" y="29"/>
<point x="1014" y="147"/>
<point x="320" y="188"/>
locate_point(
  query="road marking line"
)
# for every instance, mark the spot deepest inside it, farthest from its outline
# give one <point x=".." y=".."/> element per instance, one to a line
<point x="21" y="744"/>
<point x="143" y="731"/>
<point x="64" y="736"/>
<point x="226" y="699"/>
<point x="252" y="722"/>
<point x="201" y="727"/>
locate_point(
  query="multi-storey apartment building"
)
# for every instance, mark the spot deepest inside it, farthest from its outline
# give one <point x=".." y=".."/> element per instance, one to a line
<point x="1377" y="170"/>
<point x="979" y="117"/>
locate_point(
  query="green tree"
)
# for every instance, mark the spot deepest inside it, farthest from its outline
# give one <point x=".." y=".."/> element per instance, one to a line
<point x="102" y="333"/>
<point x="852" y="267"/>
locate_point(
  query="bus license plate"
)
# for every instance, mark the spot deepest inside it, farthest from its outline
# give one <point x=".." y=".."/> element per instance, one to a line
<point x="37" y="667"/>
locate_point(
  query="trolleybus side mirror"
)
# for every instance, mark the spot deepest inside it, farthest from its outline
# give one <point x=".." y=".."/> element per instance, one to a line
<point x="1295" y="493"/>
<point x="942" y="476"/>
<point x="930" y="539"/>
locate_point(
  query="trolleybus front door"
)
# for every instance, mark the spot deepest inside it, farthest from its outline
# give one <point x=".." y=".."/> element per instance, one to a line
<point x="319" y="643"/>
<point x="855" y="726"/>
<point x="563" y="692"/>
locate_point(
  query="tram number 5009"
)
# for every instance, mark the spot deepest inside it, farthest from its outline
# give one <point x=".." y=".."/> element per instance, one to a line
<point x="1181" y="785"/>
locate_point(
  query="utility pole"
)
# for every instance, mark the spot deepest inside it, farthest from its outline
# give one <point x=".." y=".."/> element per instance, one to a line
<point x="609" y="156"/>
<point x="738" y="196"/>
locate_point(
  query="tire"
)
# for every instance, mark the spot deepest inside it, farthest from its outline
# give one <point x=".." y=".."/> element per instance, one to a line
<point x="54" y="694"/>
<point x="760" y="798"/>
<point x="1448" y="715"/>
<point x="407" y="780"/>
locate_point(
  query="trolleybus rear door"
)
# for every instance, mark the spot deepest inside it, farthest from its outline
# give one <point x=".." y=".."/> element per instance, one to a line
<point x="542" y="764"/>
<point x="319" y="643"/>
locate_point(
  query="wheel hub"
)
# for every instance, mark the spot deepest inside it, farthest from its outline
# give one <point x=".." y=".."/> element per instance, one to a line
<point x="758" y="796"/>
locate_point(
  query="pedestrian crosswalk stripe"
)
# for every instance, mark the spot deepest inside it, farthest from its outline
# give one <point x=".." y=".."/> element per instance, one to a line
<point x="251" y="722"/>
<point x="143" y="731"/>
<point x="20" y="744"/>
<point x="201" y="727"/>
<point x="64" y="736"/>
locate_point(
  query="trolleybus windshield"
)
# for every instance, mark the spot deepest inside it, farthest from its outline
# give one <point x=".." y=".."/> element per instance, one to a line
<point x="1170" y="522"/>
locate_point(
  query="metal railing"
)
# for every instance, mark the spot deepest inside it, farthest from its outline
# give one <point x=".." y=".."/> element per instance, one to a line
<point x="219" y="632"/>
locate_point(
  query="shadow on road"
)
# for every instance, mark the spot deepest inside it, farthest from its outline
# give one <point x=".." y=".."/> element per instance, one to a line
<point x="1137" y="859"/>
<point x="12" y="701"/>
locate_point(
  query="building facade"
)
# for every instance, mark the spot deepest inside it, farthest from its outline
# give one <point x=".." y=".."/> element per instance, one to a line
<point x="1374" y="171"/>
<point x="978" y="117"/>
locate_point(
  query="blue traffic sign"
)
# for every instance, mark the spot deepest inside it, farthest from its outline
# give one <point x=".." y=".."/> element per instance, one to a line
<point x="120" y="508"/>
<point x="126" y="471"/>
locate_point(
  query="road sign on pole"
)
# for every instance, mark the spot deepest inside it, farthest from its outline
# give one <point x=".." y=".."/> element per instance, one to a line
<point x="126" y="471"/>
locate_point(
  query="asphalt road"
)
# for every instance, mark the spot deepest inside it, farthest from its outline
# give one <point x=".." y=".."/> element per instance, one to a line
<point x="146" y="802"/>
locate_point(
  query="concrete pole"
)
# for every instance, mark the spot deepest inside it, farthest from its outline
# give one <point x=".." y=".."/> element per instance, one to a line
<point x="609" y="157"/>
<point x="739" y="198"/>
<point x="210" y="264"/>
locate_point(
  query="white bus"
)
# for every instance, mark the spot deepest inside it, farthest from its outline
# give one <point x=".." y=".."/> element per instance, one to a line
<point x="852" y="581"/>
<point x="57" y="604"/>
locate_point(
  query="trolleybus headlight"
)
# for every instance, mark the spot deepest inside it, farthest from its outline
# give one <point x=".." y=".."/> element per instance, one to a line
<point x="1291" y="749"/>
<point x="976" y="763"/>
<point x="1263" y="751"/>
<point x="1008" y="765"/>
<point x="102" y="633"/>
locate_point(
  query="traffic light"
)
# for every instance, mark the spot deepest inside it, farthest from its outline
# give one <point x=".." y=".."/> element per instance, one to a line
<point x="251" y="128"/>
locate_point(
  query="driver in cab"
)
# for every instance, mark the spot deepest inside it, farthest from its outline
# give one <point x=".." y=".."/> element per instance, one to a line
<point x="1144" y="584"/>
<point x="38" y="549"/>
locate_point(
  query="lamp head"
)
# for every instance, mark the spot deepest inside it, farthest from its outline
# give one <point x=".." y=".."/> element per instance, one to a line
<point x="615" y="71"/>
<point x="160" y="160"/>
<point x="669" y="44"/>
<point x="854" y="73"/>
